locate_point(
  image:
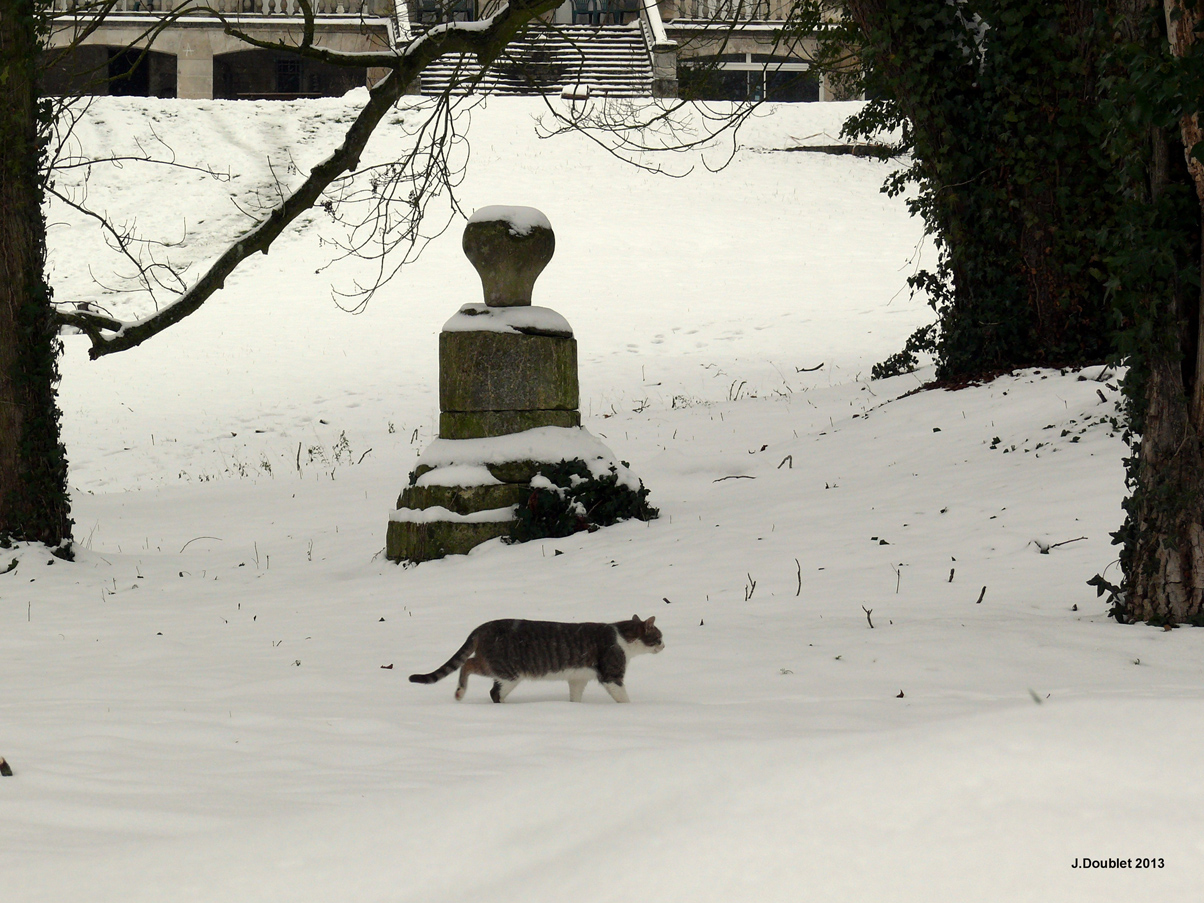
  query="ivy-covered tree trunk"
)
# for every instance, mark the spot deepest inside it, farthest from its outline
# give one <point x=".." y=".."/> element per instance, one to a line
<point x="1163" y="554"/>
<point x="33" y="468"/>
<point x="997" y="101"/>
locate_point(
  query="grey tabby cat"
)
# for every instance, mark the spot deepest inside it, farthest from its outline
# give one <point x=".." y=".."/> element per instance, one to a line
<point x="513" y="650"/>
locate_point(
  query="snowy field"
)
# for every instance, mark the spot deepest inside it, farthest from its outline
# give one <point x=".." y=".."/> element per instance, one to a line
<point x="876" y="686"/>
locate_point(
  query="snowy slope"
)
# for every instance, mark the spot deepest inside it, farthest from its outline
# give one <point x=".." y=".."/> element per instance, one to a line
<point x="198" y="708"/>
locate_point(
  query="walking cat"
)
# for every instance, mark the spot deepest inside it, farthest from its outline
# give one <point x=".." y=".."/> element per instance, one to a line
<point x="513" y="650"/>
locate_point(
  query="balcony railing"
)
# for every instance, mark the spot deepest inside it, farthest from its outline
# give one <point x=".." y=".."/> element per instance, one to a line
<point x="733" y="10"/>
<point x="291" y="8"/>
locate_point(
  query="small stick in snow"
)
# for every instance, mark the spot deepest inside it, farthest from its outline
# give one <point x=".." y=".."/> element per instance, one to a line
<point x="981" y="595"/>
<point x="1066" y="542"/>
<point x="751" y="588"/>
<point x="808" y="369"/>
<point x="951" y="574"/>
<point x="735" y="476"/>
<point x="195" y="538"/>
<point x="799" y="591"/>
<point x="868" y="612"/>
<point x="789" y="458"/>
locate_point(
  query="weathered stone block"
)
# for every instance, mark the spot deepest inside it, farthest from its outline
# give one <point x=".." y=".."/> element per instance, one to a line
<point x="463" y="499"/>
<point x="484" y="424"/>
<point x="498" y="371"/>
<point x="424" y="542"/>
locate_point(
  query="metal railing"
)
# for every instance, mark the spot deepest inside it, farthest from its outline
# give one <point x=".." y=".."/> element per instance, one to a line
<point x="732" y="10"/>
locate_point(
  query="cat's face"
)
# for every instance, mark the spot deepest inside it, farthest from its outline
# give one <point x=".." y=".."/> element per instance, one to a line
<point x="650" y="635"/>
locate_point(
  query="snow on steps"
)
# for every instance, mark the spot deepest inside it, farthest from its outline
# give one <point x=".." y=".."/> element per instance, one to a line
<point x="610" y="60"/>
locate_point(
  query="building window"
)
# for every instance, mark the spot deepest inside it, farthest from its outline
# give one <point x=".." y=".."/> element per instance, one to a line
<point x="288" y="76"/>
<point x="129" y="72"/>
<point x="741" y="77"/>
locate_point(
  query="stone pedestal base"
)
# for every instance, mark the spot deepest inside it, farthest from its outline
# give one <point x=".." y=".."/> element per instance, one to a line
<point x="464" y="499"/>
<point x="425" y="542"/>
<point x="581" y="487"/>
<point x="444" y="531"/>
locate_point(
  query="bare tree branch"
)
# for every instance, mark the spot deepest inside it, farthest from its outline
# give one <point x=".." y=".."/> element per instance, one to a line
<point x="484" y="40"/>
<point x="384" y="207"/>
<point x="120" y="240"/>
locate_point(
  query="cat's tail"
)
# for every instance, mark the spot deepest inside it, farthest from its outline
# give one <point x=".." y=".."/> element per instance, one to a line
<point x="462" y="655"/>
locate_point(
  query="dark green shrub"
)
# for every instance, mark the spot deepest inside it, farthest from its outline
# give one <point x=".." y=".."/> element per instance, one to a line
<point x="923" y="340"/>
<point x="576" y="501"/>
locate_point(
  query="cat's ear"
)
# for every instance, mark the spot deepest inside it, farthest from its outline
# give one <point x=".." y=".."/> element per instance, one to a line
<point x="636" y="619"/>
<point x="650" y="621"/>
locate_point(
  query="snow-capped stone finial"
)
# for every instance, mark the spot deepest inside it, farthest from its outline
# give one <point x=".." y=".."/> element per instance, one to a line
<point x="509" y="246"/>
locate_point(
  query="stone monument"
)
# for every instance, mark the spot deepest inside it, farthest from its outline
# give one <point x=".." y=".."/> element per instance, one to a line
<point x="508" y="402"/>
<point x="505" y="366"/>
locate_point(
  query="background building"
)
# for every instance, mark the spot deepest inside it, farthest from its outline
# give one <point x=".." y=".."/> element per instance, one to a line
<point x="701" y="49"/>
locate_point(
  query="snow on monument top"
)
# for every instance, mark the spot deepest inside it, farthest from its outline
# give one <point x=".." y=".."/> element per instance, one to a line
<point x="521" y="220"/>
<point x="523" y="319"/>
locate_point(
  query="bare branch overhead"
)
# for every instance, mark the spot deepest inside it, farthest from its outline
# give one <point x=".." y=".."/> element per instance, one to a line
<point x="485" y="40"/>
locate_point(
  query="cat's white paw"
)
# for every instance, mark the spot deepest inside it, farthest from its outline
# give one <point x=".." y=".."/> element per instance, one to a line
<point x="617" y="692"/>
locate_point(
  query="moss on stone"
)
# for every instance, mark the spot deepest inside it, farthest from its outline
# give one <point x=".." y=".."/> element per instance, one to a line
<point x="426" y="542"/>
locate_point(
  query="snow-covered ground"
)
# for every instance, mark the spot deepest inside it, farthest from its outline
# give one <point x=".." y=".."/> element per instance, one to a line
<point x="876" y="686"/>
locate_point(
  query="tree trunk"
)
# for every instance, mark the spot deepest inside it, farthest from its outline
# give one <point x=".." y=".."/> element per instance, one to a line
<point x="1165" y="558"/>
<point x="1164" y="553"/>
<point x="33" y="467"/>
<point x="1181" y="32"/>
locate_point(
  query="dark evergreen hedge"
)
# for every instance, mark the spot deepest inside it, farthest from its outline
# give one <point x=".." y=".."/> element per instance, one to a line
<point x="997" y="104"/>
<point x="579" y="501"/>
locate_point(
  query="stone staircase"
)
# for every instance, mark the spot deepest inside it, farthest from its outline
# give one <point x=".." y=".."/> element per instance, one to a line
<point x="613" y="61"/>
